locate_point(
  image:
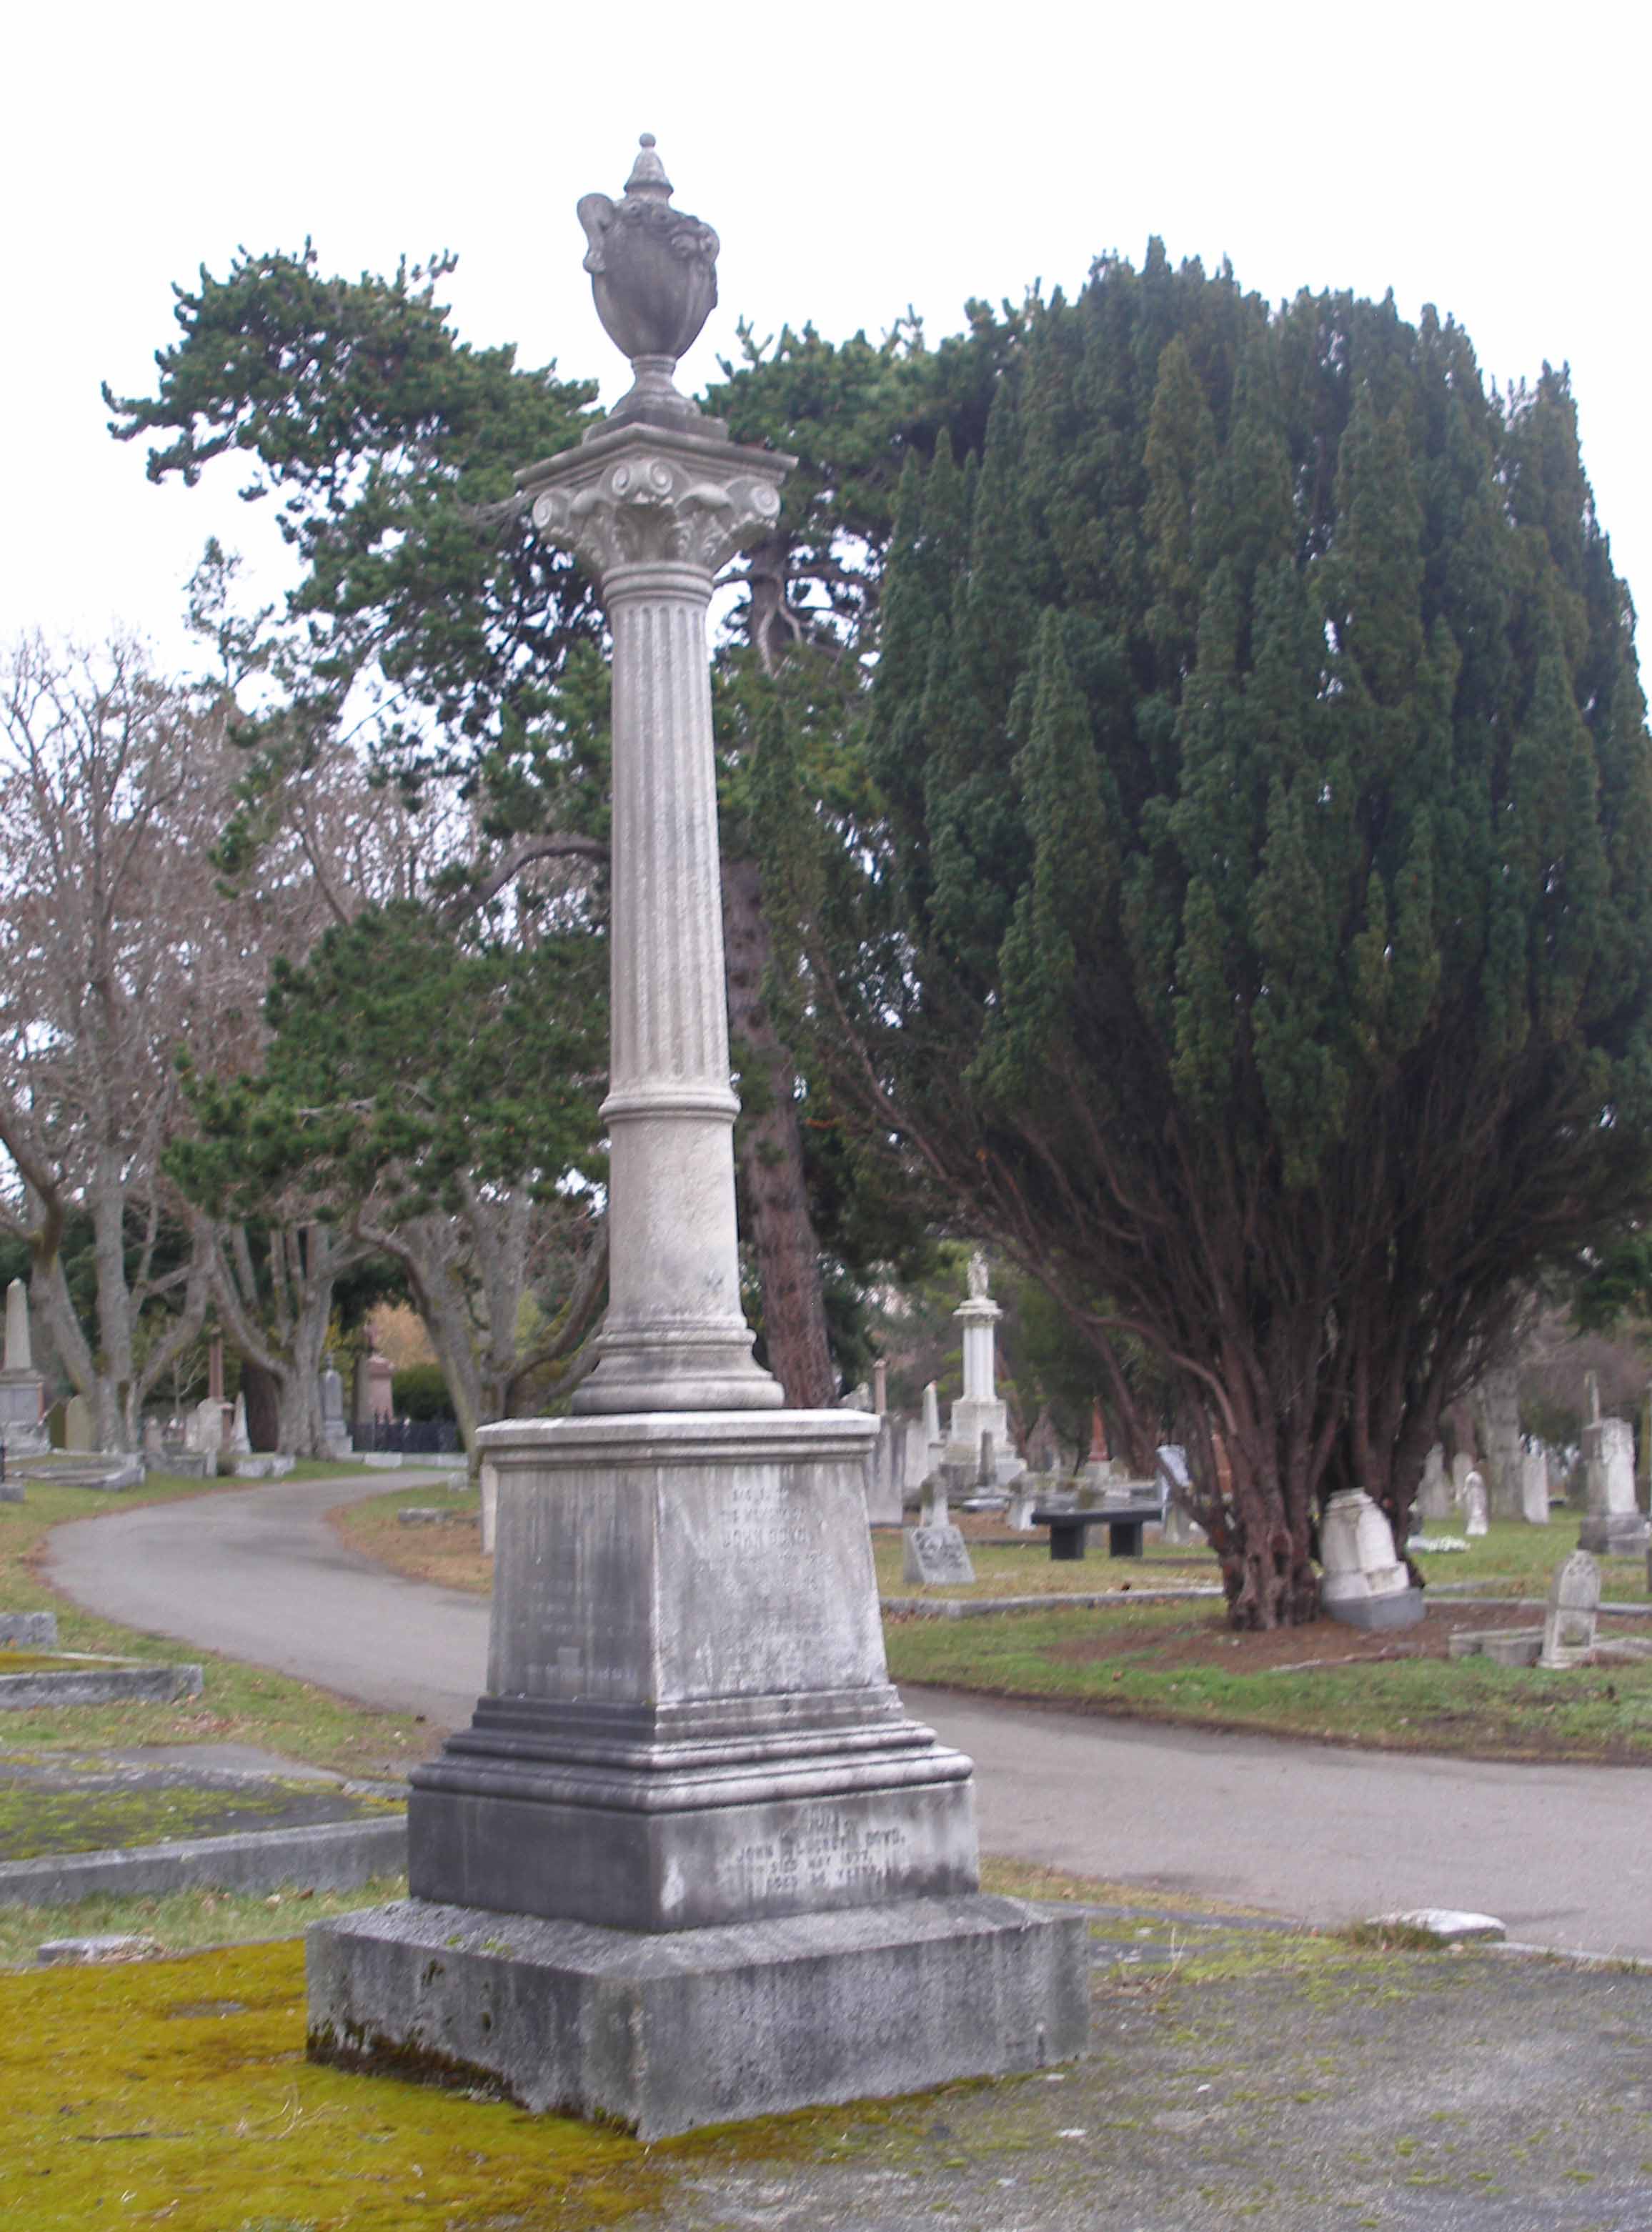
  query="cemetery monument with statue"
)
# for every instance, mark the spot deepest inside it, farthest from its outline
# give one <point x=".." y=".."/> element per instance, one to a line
<point x="691" y="1861"/>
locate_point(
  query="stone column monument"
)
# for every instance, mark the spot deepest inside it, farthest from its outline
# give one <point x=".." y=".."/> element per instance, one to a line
<point x="691" y="1860"/>
<point x="977" y="1411"/>
<point x="22" y="1424"/>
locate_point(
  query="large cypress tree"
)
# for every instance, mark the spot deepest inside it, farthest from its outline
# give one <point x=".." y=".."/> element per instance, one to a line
<point x="1254" y="932"/>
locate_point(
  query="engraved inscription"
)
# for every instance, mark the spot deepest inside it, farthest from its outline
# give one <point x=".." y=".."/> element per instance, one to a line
<point x="755" y="1518"/>
<point x="827" y="1851"/>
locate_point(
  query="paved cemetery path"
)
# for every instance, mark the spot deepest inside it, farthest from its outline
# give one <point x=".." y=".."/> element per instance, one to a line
<point x="260" y="1576"/>
<point x="1562" y="1854"/>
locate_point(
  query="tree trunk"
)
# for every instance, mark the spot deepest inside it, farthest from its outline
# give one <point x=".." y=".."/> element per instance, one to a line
<point x="1497" y="1414"/>
<point x="769" y="1150"/>
<point x="304" y="1265"/>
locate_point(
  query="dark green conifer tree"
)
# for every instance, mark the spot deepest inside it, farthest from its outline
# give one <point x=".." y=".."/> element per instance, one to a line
<point x="1256" y="935"/>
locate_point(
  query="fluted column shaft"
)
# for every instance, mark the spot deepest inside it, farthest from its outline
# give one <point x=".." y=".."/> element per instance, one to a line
<point x="654" y="512"/>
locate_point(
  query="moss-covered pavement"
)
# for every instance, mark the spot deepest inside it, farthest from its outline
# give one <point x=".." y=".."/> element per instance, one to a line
<point x="1240" y="2076"/>
<point x="1242" y="2072"/>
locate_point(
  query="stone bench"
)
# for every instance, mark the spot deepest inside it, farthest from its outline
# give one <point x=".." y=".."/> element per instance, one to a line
<point x="1124" y="1523"/>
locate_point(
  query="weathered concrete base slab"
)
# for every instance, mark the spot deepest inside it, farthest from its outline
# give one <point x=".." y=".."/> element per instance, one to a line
<point x="1403" y="1609"/>
<point x="92" y="1683"/>
<point x="328" y="1856"/>
<point x="665" y="2032"/>
<point x="1507" y="1646"/>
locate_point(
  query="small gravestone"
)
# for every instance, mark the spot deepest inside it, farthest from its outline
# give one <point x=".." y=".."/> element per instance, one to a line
<point x="1433" y="1497"/>
<point x="1574" y="1609"/>
<point x="1024" y="1495"/>
<point x="240" y="1444"/>
<point x="335" y="1434"/>
<point x="1475" y="1513"/>
<point x="204" y="1429"/>
<point x="934" y="1443"/>
<point x="1616" y="1525"/>
<point x="884" y="1477"/>
<point x="80" y="1434"/>
<point x="934" y="1553"/>
<point x="1364" y="1585"/>
<point x="1534" y="1487"/>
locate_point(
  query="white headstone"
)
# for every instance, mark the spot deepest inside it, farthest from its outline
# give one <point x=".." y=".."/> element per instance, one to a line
<point x="931" y="1416"/>
<point x="1574" y="1606"/>
<point x="1476" y="1512"/>
<point x="238" y="1441"/>
<point x="332" y="1390"/>
<point x="917" y="1459"/>
<point x="1534" y="1487"/>
<point x="1614" y="1524"/>
<point x="1024" y="1496"/>
<point x="1608" y="1446"/>
<point x="203" y="1433"/>
<point x="1363" y="1583"/>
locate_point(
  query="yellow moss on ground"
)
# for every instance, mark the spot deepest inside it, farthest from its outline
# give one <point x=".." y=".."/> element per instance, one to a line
<point x="176" y="2092"/>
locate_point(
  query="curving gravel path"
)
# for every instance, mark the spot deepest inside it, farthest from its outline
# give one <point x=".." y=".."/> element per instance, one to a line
<point x="1562" y="1854"/>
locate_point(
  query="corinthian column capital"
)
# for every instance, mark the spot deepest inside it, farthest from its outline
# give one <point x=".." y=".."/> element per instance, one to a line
<point x="650" y="496"/>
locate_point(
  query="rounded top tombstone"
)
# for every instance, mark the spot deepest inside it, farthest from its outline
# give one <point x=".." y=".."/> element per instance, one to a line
<point x="654" y="274"/>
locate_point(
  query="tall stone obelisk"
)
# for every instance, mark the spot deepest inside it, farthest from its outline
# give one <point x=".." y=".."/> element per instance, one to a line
<point x="691" y="1860"/>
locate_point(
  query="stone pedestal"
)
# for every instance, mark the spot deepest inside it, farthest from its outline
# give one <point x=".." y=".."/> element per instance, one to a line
<point x="688" y="1719"/>
<point x="691" y="1860"/>
<point x="22" y="1425"/>
<point x="23" y="1389"/>
<point x="374" y="1397"/>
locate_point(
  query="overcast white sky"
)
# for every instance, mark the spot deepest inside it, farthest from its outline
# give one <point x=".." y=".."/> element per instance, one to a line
<point x="854" y="159"/>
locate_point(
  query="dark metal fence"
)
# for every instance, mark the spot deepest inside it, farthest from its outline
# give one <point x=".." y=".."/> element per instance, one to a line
<point x="406" y="1437"/>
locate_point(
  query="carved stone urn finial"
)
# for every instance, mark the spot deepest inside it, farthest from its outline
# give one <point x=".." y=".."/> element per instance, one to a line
<point x="654" y="273"/>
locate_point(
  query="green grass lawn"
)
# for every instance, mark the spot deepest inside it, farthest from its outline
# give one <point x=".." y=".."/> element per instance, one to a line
<point x="1175" y="1663"/>
<point x="238" y="1705"/>
<point x="1516" y="1560"/>
<point x="1026" y="1568"/>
